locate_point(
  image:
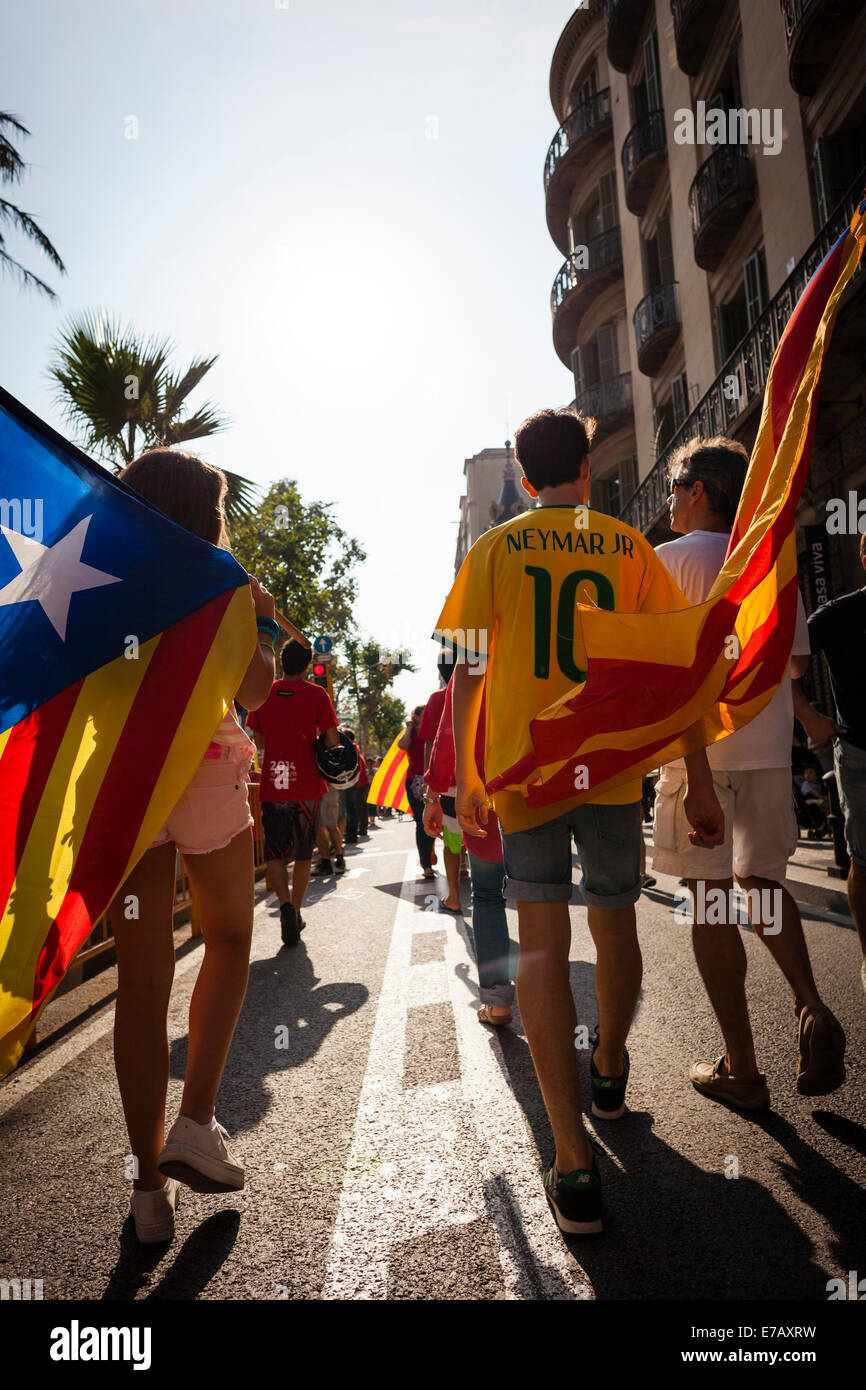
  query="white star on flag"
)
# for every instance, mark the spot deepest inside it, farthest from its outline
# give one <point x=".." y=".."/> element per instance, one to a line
<point x="51" y="574"/>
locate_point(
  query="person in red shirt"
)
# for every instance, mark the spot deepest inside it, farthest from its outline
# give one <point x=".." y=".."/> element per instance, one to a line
<point x="286" y="727"/>
<point x="427" y="733"/>
<point x="412" y="744"/>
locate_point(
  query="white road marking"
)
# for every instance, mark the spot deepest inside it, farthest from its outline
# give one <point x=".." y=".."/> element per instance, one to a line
<point x="445" y="1155"/>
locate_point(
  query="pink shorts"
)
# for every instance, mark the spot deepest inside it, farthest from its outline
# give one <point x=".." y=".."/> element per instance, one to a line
<point x="213" y="809"/>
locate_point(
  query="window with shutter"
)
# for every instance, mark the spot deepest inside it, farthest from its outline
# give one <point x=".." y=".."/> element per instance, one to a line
<point x="663" y="427"/>
<point x="679" y="399"/>
<point x="607" y="353"/>
<point x="628" y="478"/>
<point x="651" y="73"/>
<point x="607" y="200"/>
<point x="755" y="283"/>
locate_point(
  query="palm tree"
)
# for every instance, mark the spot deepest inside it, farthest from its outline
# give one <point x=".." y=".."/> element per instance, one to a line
<point x="122" y="391"/>
<point x="12" y="168"/>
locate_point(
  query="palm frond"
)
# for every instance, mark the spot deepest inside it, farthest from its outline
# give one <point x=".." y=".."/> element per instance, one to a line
<point x="25" y="277"/>
<point x="178" y="388"/>
<point x="26" y="224"/>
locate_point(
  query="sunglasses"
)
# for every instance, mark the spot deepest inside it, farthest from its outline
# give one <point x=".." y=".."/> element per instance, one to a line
<point x="680" y="482"/>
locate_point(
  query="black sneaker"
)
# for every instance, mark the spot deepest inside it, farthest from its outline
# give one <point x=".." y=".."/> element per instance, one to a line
<point x="322" y="869"/>
<point x="289" y="928"/>
<point x="339" y="865"/>
<point x="608" y="1092"/>
<point x="575" y="1199"/>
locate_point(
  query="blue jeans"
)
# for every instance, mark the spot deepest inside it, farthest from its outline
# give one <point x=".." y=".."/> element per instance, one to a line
<point x="490" y="929"/>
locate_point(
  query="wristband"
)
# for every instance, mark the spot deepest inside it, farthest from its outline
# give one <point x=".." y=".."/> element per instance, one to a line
<point x="268" y="625"/>
<point x="268" y="646"/>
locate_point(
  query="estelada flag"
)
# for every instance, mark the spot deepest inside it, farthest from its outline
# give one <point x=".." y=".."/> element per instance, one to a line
<point x="123" y="638"/>
<point x="388" y="787"/>
<point x="661" y="685"/>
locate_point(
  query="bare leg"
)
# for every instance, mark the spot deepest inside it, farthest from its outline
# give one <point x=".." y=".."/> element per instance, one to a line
<point x="145" y="970"/>
<point x="721" y="960"/>
<point x="618" y="974"/>
<point x="300" y="879"/>
<point x="452" y="874"/>
<point x="857" y="900"/>
<point x="279" y="872"/>
<point x="337" y="837"/>
<point x="788" y="946"/>
<point x="323" y="842"/>
<point x="549" y="1018"/>
<point x="223" y="885"/>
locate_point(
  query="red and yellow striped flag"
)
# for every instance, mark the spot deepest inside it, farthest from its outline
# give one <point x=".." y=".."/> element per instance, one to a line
<point x="122" y="641"/>
<point x="662" y="685"/>
<point x="388" y="787"/>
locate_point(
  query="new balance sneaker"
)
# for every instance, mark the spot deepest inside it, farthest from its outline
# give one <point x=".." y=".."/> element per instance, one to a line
<point x="153" y="1213"/>
<point x="575" y="1199"/>
<point x="608" y="1092"/>
<point x="198" y="1155"/>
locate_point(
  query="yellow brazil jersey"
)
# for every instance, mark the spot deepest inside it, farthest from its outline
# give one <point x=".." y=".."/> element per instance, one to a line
<point x="515" y="601"/>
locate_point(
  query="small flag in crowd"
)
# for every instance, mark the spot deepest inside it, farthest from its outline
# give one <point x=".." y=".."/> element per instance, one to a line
<point x="692" y="690"/>
<point x="388" y="787"/>
<point x="123" y="638"/>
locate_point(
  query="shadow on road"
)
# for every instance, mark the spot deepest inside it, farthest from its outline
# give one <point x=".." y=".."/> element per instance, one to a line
<point x="286" y="1017"/>
<point x="680" y="1232"/>
<point x="817" y="1181"/>
<point x="195" y="1264"/>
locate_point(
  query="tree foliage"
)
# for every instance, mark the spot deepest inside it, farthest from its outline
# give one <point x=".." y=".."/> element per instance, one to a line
<point x="12" y="169"/>
<point x="306" y="559"/>
<point x="122" y="394"/>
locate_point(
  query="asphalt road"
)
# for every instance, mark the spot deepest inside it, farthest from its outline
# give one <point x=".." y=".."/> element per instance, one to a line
<point x="394" y="1148"/>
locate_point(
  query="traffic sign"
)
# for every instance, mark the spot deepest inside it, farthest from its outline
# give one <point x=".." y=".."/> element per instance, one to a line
<point x="322" y="646"/>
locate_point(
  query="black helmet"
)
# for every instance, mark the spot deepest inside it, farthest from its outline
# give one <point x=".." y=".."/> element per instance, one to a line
<point x="341" y="765"/>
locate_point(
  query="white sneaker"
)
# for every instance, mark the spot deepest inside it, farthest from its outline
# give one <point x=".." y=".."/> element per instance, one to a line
<point x="153" y="1213"/>
<point x="198" y="1156"/>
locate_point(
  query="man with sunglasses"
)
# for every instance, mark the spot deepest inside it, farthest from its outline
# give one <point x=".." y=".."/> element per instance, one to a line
<point x="752" y="778"/>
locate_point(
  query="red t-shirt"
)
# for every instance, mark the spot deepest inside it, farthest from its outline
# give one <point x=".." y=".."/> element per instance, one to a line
<point x="363" y="779"/>
<point x="289" y="721"/>
<point x="431" y="716"/>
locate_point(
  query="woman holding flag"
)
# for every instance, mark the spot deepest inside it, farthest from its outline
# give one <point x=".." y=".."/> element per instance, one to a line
<point x="211" y="826"/>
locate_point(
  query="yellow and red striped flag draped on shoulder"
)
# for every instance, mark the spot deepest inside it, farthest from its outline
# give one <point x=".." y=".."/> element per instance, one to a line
<point x="662" y="685"/>
<point x="388" y="787"/>
<point x="122" y="641"/>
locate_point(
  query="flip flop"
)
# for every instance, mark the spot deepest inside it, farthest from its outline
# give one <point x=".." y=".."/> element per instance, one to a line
<point x="454" y="911"/>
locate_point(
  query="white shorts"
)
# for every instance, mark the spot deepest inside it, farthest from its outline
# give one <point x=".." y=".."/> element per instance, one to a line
<point x="760" y="826"/>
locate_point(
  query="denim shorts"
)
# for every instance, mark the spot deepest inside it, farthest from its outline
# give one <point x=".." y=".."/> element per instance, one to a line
<point x="608" y="841"/>
<point x="850" y="762"/>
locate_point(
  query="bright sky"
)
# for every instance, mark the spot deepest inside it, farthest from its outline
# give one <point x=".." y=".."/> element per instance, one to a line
<point x="378" y="298"/>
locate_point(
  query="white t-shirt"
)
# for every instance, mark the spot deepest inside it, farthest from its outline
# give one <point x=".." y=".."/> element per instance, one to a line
<point x="694" y="561"/>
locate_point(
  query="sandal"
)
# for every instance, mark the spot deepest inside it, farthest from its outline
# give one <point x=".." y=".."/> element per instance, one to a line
<point x="488" y="1014"/>
<point x="453" y="911"/>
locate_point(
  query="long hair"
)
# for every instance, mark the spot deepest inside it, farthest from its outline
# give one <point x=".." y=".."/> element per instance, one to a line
<point x="183" y="487"/>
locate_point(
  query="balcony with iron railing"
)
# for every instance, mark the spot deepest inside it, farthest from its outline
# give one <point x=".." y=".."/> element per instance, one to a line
<point x="587" y="272"/>
<point x="656" y="327"/>
<point x="580" y="133"/>
<point x="643" y="154"/>
<point x="816" y="31"/>
<point x="624" y="19"/>
<point x="694" y="22"/>
<point x="721" y="194"/>
<point x="608" y="403"/>
<point x="739" y="386"/>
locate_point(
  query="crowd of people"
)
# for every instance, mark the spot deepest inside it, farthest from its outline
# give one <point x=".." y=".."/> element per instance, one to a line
<point x="719" y="815"/>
